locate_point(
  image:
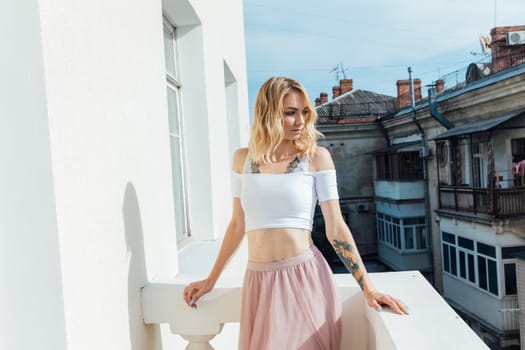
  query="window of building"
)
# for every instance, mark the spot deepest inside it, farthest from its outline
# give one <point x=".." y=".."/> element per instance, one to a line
<point x="464" y="257"/>
<point x="414" y="233"/>
<point x="173" y="86"/>
<point x="479" y="167"/>
<point x="463" y="161"/>
<point x="449" y="253"/>
<point x="508" y="255"/>
<point x="518" y="149"/>
<point x="399" y="166"/>
<point x="402" y="233"/>
<point x="410" y="165"/>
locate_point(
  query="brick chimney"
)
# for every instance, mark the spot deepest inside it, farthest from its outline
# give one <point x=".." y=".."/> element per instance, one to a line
<point x="323" y="97"/>
<point x="317" y="101"/>
<point x="440" y="85"/>
<point x="503" y="55"/>
<point x="336" y="91"/>
<point x="346" y="85"/>
<point x="403" y="92"/>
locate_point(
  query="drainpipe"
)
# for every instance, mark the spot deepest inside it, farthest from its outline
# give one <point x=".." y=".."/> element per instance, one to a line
<point x="383" y="131"/>
<point x="423" y="154"/>
<point x="432" y="106"/>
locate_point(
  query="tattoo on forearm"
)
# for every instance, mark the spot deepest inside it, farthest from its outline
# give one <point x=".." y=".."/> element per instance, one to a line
<point x="346" y="253"/>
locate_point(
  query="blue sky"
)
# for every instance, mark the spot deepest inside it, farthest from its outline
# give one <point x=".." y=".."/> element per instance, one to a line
<point x="375" y="40"/>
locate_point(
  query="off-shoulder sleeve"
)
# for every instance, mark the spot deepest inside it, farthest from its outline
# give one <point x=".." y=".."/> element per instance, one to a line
<point x="236" y="179"/>
<point x="326" y="185"/>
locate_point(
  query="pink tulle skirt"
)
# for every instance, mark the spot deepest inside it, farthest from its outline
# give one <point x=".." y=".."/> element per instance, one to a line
<point x="290" y="305"/>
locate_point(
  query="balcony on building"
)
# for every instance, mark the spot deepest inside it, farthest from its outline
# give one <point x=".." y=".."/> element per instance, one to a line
<point x="481" y="167"/>
<point x="481" y="205"/>
<point x="400" y="207"/>
<point x="215" y="323"/>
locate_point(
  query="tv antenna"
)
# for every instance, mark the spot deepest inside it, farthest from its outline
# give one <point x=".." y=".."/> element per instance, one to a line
<point x="339" y="70"/>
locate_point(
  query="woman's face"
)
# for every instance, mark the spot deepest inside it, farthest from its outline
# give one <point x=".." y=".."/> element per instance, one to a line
<point x="296" y="112"/>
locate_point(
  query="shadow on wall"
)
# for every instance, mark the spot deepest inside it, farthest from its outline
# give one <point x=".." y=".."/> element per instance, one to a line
<point x="141" y="336"/>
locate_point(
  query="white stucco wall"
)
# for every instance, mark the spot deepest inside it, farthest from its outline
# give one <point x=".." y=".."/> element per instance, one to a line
<point x="31" y="302"/>
<point x="204" y="50"/>
<point x="86" y="212"/>
<point x="105" y="84"/>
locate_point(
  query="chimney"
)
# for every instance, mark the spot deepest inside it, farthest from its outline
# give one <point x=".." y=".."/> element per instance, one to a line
<point x="417" y="90"/>
<point x="323" y="97"/>
<point x="403" y="92"/>
<point x="336" y="91"/>
<point x="503" y="55"/>
<point x="346" y="85"/>
<point x="317" y="101"/>
<point x="440" y="85"/>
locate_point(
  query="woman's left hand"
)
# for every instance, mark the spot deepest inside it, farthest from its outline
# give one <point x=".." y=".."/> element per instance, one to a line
<point x="377" y="299"/>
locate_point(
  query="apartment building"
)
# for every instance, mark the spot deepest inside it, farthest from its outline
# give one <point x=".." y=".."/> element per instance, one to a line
<point x="449" y="195"/>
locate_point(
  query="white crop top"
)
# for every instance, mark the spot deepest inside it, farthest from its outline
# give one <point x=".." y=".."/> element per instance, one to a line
<point x="282" y="200"/>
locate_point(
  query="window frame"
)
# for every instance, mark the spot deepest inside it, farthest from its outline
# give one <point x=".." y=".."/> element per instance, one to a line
<point x="447" y="247"/>
<point x="390" y="167"/>
<point x="390" y="230"/>
<point x="173" y="83"/>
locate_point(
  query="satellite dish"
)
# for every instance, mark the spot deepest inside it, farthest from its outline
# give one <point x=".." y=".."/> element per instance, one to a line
<point x="485" y="43"/>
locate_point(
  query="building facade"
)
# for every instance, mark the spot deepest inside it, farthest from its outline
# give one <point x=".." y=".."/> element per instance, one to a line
<point x="350" y="128"/>
<point x="472" y="137"/>
<point x="448" y="195"/>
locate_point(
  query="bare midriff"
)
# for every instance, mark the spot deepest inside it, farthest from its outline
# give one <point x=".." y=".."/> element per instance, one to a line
<point x="275" y="244"/>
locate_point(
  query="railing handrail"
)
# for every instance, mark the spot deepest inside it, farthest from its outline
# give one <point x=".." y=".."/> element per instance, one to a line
<point x="504" y="202"/>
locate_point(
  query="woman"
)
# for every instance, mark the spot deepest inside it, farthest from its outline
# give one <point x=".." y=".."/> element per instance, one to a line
<point x="289" y="298"/>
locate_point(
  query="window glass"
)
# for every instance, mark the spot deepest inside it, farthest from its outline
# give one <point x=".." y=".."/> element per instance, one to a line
<point x="446" y="258"/>
<point x="509" y="252"/>
<point x="414" y="221"/>
<point x="471" y="271"/>
<point x="493" y="277"/>
<point x="421" y="237"/>
<point x="453" y="262"/>
<point x="482" y="272"/>
<point x="175" y="133"/>
<point x="510" y="279"/>
<point x="169" y="50"/>
<point x="447" y="237"/>
<point x="486" y="249"/>
<point x="409" y="238"/>
<point x="466" y="243"/>
<point x="462" y="265"/>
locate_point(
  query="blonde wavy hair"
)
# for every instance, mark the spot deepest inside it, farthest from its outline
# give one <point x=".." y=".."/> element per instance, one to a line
<point x="267" y="131"/>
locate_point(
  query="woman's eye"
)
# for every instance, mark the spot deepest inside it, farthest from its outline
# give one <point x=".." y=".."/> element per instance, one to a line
<point x="289" y="113"/>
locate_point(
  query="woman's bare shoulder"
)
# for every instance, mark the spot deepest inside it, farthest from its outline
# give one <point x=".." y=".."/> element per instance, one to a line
<point x="239" y="156"/>
<point x="322" y="160"/>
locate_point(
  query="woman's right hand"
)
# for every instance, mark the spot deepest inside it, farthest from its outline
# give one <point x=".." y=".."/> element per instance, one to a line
<point x="195" y="290"/>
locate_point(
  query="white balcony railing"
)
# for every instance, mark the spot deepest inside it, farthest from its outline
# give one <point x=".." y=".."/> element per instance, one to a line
<point x="432" y="323"/>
